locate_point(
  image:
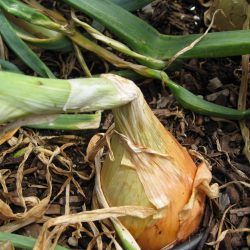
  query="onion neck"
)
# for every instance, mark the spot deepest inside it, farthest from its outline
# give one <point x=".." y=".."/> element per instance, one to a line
<point x="136" y="121"/>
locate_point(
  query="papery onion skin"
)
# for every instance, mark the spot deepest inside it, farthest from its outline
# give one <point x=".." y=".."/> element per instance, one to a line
<point x="122" y="186"/>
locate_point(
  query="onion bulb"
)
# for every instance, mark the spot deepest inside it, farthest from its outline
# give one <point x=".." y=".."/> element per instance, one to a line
<point x="151" y="169"/>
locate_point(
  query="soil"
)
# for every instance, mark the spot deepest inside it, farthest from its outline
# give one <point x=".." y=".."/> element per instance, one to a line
<point x="219" y="141"/>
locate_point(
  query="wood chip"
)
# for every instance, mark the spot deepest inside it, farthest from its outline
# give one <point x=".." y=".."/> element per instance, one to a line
<point x="240" y="211"/>
<point x="73" y="200"/>
<point x="53" y="209"/>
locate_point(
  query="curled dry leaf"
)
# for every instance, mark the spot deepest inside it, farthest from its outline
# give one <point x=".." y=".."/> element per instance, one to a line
<point x="35" y="212"/>
<point x="43" y="241"/>
<point x="4" y="173"/>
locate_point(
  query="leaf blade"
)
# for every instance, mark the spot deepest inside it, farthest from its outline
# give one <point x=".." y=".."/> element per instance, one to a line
<point x="22" y="50"/>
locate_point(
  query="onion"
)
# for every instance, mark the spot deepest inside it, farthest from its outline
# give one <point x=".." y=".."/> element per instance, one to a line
<point x="151" y="169"/>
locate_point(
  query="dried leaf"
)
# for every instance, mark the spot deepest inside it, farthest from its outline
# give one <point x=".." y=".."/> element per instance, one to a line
<point x="100" y="214"/>
<point x="228" y="231"/>
<point x="33" y="213"/>
<point x="19" y="176"/>
<point x="246" y="184"/>
<point x="5" y="137"/>
<point x="201" y="189"/>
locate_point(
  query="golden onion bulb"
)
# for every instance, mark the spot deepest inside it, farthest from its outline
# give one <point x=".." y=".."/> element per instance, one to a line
<point x="151" y="169"/>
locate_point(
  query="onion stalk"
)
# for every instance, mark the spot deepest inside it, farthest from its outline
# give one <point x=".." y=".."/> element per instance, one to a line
<point x="151" y="169"/>
<point x="22" y="96"/>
